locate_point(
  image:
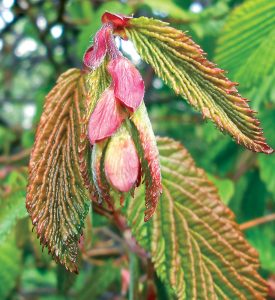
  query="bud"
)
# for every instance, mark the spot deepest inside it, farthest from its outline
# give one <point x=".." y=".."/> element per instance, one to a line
<point x="121" y="163"/>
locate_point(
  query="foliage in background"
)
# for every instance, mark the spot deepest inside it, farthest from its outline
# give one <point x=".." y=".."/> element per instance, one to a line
<point x="250" y="176"/>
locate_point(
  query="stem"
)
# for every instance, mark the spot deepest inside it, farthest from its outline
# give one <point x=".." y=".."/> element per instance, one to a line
<point x="104" y="252"/>
<point x="133" y="275"/>
<point x="257" y="221"/>
<point x="7" y="159"/>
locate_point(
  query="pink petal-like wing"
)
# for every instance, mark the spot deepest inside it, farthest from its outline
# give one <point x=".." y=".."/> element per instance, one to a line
<point x="95" y="54"/>
<point x="121" y="162"/>
<point x="106" y="118"/>
<point x="128" y="83"/>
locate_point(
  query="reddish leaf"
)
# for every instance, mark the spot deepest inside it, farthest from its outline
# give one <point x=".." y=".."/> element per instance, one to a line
<point x="57" y="200"/>
<point x="145" y="141"/>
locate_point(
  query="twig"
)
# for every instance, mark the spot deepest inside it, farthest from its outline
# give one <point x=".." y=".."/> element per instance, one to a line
<point x="102" y="211"/>
<point x="61" y="10"/>
<point x="247" y="161"/>
<point x="7" y="159"/>
<point x="104" y="251"/>
<point x="109" y="233"/>
<point x="93" y="261"/>
<point x="257" y="221"/>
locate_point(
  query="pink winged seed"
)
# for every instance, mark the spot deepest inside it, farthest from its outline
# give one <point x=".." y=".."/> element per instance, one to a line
<point x="127" y="81"/>
<point x="106" y="118"/>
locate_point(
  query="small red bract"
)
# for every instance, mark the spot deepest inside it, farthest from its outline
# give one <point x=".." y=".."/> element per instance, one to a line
<point x="117" y="20"/>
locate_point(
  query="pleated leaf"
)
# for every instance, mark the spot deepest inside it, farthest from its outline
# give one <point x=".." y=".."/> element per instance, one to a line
<point x="145" y="141"/>
<point x="194" y="242"/>
<point x="182" y="65"/>
<point x="57" y="200"/>
<point x="246" y="43"/>
<point x="97" y="81"/>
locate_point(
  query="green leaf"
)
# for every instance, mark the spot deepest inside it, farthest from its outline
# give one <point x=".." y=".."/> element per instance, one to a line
<point x="225" y="188"/>
<point x="57" y="200"/>
<point x="10" y="257"/>
<point x="170" y="8"/>
<point x="249" y="37"/>
<point x="181" y="64"/>
<point x="12" y="202"/>
<point x="268" y="117"/>
<point x="194" y="242"/>
<point x="263" y="239"/>
<point x="267" y="164"/>
<point x="267" y="167"/>
<point x="65" y="280"/>
<point x="99" y="281"/>
<point x="27" y="138"/>
<point x="254" y="200"/>
<point x="6" y="138"/>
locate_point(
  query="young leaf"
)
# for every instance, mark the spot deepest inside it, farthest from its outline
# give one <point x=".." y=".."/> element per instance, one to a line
<point x="145" y="141"/>
<point x="180" y="62"/>
<point x="195" y="245"/>
<point x="97" y="82"/>
<point x="57" y="200"/>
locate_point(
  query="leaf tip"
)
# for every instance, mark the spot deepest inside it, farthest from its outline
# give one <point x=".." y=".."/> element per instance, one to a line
<point x="267" y="149"/>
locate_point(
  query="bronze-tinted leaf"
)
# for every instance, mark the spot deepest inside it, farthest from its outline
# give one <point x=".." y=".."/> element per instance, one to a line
<point x="145" y="141"/>
<point x="97" y="81"/>
<point x="182" y="65"/>
<point x="195" y="244"/>
<point x="57" y="200"/>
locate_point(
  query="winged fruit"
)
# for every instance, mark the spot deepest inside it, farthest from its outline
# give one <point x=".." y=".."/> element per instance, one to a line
<point x="120" y="150"/>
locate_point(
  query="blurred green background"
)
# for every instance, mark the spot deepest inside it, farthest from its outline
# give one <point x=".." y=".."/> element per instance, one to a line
<point x="41" y="39"/>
